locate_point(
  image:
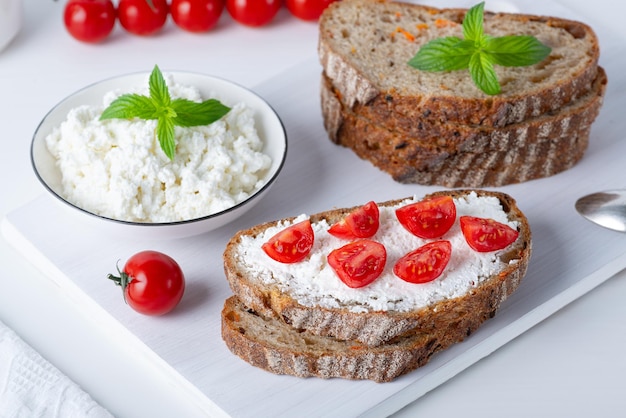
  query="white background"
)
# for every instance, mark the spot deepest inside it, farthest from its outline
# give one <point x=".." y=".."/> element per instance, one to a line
<point x="571" y="364"/>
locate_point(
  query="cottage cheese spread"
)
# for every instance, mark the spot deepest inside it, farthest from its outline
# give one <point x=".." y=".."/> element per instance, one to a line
<point x="314" y="283"/>
<point x="116" y="168"/>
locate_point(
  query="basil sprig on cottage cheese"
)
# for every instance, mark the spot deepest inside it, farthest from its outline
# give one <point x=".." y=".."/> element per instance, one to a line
<point x="168" y="113"/>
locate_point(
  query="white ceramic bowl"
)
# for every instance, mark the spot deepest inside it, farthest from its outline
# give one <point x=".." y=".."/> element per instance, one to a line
<point x="268" y="125"/>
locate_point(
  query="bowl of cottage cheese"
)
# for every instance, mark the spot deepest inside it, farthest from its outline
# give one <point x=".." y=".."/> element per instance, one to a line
<point x="114" y="174"/>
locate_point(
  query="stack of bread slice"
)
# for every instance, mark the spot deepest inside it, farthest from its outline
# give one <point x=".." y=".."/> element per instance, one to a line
<point x="438" y="128"/>
<point x="300" y="321"/>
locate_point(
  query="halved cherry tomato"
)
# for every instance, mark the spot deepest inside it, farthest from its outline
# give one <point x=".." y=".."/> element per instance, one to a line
<point x="152" y="282"/>
<point x="429" y="218"/>
<point x="362" y="222"/>
<point x="424" y="264"/>
<point x="307" y="9"/>
<point x="292" y="244"/>
<point x="358" y="263"/>
<point x="485" y="235"/>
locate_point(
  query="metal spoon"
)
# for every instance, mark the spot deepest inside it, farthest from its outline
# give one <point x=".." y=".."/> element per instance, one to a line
<point x="607" y="209"/>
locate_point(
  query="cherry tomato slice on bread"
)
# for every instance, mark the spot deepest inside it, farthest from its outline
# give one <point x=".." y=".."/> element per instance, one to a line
<point x="152" y="282"/>
<point x="429" y="218"/>
<point x="362" y="222"/>
<point x="424" y="264"/>
<point x="292" y="244"/>
<point x="485" y="235"/>
<point x="358" y="263"/>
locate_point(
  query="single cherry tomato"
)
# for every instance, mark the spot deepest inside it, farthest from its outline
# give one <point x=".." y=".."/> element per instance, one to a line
<point x="424" y="264"/>
<point x="362" y="222"/>
<point x="292" y="244"/>
<point x="89" y="20"/>
<point x="358" y="263"/>
<point x="142" y="17"/>
<point x="429" y="218"/>
<point x="253" y="12"/>
<point x="307" y="9"/>
<point x="196" y="15"/>
<point x="152" y="282"/>
<point x="485" y="235"/>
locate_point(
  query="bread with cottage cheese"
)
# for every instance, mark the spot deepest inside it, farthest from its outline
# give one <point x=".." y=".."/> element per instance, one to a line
<point x="364" y="47"/>
<point x="456" y="155"/>
<point x="354" y="321"/>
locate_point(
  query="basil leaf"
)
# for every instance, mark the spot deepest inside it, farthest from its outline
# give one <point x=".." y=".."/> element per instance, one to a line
<point x="443" y="54"/>
<point x="130" y="106"/>
<point x="166" y="136"/>
<point x="516" y="51"/>
<point x="473" y="23"/>
<point x="190" y="113"/>
<point x="483" y="74"/>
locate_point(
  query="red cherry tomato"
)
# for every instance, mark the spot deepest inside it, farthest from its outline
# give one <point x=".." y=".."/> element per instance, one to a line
<point x="152" y="282"/>
<point x="358" y="263"/>
<point x="196" y="15"/>
<point x="485" y="235"/>
<point x="429" y="218"/>
<point x="142" y="17"/>
<point x="307" y="9"/>
<point x="362" y="222"/>
<point x="89" y="20"/>
<point x="253" y="12"/>
<point x="292" y="244"/>
<point x="424" y="264"/>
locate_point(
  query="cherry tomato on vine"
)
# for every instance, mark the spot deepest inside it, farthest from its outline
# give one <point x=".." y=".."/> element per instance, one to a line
<point x="428" y="218"/>
<point x="253" y="12"/>
<point x="307" y="9"/>
<point x="89" y="20"/>
<point x="363" y="222"/>
<point x="292" y="244"/>
<point x="142" y="17"/>
<point x="152" y="282"/>
<point x="424" y="264"/>
<point x="484" y="235"/>
<point x="196" y="15"/>
<point x="358" y="263"/>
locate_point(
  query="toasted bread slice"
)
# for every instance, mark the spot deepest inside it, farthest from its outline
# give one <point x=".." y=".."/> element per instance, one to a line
<point x="270" y="344"/>
<point x="308" y="296"/>
<point x="455" y="155"/>
<point x="365" y="45"/>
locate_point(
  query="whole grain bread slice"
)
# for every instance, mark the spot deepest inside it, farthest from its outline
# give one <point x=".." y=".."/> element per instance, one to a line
<point x="454" y="155"/>
<point x="364" y="47"/>
<point x="373" y="327"/>
<point x="272" y="345"/>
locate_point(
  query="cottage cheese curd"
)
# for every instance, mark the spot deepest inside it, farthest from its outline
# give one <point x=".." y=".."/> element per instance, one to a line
<point x="314" y="283"/>
<point x="116" y="168"/>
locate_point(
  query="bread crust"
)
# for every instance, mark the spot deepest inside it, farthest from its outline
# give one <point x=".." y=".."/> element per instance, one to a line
<point x="453" y="155"/>
<point x="368" y="93"/>
<point x="378" y="327"/>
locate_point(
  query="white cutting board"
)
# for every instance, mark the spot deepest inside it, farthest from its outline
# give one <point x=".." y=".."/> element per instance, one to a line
<point x="571" y="256"/>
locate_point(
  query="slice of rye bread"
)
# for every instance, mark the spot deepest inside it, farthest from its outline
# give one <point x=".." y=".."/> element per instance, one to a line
<point x="454" y="155"/>
<point x="272" y="345"/>
<point x="364" y="47"/>
<point x="375" y="327"/>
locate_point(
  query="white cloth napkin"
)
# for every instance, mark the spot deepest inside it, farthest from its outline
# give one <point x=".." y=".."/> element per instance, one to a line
<point x="32" y="387"/>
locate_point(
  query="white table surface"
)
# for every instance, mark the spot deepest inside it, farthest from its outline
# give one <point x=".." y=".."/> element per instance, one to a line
<point x="572" y="364"/>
